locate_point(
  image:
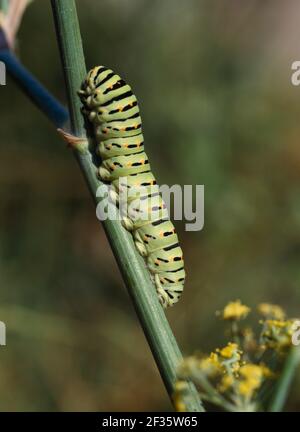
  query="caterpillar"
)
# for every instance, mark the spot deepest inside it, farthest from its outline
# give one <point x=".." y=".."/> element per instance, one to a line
<point x="112" y="109"/>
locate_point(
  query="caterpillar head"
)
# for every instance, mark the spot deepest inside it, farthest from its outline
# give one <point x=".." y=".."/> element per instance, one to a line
<point x="90" y="96"/>
<point x="106" y="97"/>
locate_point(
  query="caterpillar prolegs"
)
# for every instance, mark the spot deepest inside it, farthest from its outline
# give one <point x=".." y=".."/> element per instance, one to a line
<point x="112" y="108"/>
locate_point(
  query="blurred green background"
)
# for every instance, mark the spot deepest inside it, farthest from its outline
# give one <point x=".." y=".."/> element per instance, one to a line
<point x="213" y="83"/>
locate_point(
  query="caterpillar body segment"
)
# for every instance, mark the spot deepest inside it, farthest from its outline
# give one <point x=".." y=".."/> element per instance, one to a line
<point x="110" y="105"/>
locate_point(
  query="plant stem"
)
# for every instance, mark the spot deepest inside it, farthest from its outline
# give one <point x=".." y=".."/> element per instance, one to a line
<point x="141" y="289"/>
<point x="284" y="382"/>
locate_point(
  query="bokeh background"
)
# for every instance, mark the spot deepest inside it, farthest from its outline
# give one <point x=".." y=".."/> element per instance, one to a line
<point x="219" y="109"/>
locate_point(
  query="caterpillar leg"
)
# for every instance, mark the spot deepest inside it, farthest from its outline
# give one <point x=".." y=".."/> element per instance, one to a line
<point x="104" y="174"/>
<point x="162" y="294"/>
<point x="76" y="143"/>
<point x="113" y="195"/>
<point x="141" y="248"/>
<point x="140" y="244"/>
<point x="127" y="223"/>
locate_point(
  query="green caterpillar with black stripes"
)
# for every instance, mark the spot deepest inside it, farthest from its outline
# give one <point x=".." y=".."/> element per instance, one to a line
<point x="112" y="108"/>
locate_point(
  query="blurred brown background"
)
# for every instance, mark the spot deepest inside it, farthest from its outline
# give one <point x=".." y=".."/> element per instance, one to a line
<point x="213" y="82"/>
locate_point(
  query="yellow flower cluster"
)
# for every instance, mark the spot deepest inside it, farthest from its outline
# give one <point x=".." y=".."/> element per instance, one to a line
<point x="230" y="357"/>
<point x="252" y="377"/>
<point x="248" y="380"/>
<point x="277" y="334"/>
<point x="226" y="371"/>
<point x="179" y="391"/>
<point x="226" y="383"/>
<point x="271" y="311"/>
<point x="210" y="365"/>
<point x="226" y="359"/>
<point x="235" y="311"/>
<point x="231" y="376"/>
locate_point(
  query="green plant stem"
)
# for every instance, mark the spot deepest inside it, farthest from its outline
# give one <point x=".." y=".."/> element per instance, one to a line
<point x="137" y="279"/>
<point x="284" y="382"/>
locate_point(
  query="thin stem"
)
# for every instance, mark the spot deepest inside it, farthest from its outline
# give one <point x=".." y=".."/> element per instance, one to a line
<point x="155" y="325"/>
<point x="235" y="333"/>
<point x="284" y="382"/>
